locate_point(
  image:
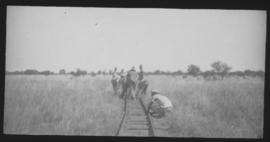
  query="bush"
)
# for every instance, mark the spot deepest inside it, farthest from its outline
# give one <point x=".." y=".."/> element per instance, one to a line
<point x="193" y="70"/>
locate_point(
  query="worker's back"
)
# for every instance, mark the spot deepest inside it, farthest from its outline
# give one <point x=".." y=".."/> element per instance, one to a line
<point x="132" y="76"/>
<point x="162" y="100"/>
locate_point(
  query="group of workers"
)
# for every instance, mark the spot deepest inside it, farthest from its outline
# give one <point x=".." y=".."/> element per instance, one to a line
<point x="132" y="83"/>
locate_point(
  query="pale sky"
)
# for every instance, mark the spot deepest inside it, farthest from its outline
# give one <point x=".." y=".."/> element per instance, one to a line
<point x="54" y="38"/>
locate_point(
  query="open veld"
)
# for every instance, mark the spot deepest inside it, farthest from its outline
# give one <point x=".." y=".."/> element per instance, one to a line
<point x="86" y="105"/>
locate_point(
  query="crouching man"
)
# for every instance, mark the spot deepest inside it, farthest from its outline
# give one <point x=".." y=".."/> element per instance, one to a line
<point x="160" y="105"/>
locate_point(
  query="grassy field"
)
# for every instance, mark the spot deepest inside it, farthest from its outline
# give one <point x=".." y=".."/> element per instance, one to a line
<point x="59" y="104"/>
<point x="232" y="108"/>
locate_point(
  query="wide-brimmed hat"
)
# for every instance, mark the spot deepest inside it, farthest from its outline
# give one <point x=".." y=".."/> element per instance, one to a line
<point x="153" y="92"/>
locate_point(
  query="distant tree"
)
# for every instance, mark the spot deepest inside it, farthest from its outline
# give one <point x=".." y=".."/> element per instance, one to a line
<point x="209" y="74"/>
<point x="22" y="72"/>
<point x="250" y="73"/>
<point x="81" y="72"/>
<point x="72" y="73"/>
<point x="62" y="71"/>
<point x="162" y="72"/>
<point x="220" y="68"/>
<point x="78" y="72"/>
<point x="9" y="72"/>
<point x="193" y="70"/>
<point x="17" y="72"/>
<point x="93" y="74"/>
<point x="260" y="73"/>
<point x="166" y="72"/>
<point x="157" y="72"/>
<point x="254" y="73"/>
<point x="104" y="72"/>
<point x="179" y="72"/>
<point x="99" y="72"/>
<point x="46" y="72"/>
<point x="237" y="73"/>
<point x="30" y="71"/>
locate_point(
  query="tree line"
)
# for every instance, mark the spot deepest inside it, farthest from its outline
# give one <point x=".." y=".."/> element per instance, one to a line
<point x="219" y="69"/>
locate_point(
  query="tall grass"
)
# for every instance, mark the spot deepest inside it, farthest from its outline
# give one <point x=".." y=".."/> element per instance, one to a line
<point x="232" y="108"/>
<point x="60" y="105"/>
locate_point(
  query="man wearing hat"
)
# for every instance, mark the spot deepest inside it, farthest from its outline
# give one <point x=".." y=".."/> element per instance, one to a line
<point x="159" y="104"/>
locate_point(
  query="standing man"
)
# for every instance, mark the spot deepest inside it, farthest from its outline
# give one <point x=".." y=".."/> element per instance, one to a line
<point x="123" y="79"/>
<point x="123" y="74"/>
<point x="160" y="104"/>
<point x="143" y="83"/>
<point x="131" y="83"/>
<point x="115" y="80"/>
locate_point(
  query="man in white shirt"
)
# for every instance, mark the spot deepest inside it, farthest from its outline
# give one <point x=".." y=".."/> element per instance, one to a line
<point x="160" y="104"/>
<point x="115" y="80"/>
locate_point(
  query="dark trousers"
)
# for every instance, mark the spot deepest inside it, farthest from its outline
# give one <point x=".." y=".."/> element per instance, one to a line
<point x="143" y="85"/>
<point x="127" y="85"/>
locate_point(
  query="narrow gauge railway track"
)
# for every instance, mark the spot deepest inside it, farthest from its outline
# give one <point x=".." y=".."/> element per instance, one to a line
<point x="135" y="120"/>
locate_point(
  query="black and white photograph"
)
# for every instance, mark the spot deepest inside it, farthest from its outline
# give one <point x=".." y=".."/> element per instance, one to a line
<point x="134" y="72"/>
